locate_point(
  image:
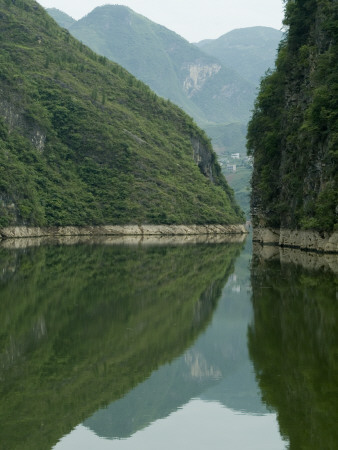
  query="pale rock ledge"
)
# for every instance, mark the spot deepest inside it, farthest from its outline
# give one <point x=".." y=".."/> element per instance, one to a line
<point x="122" y="230"/>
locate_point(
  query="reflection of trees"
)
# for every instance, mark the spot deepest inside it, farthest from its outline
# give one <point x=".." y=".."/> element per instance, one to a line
<point x="293" y="345"/>
<point x="81" y="326"/>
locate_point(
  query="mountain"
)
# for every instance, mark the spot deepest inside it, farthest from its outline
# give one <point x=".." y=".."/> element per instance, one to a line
<point x="60" y="17"/>
<point x="84" y="142"/>
<point x="293" y="134"/>
<point x="218" y="97"/>
<point x="170" y="65"/>
<point x="250" y="51"/>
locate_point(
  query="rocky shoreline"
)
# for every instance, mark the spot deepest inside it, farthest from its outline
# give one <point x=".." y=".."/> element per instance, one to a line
<point x="121" y="230"/>
<point x="304" y="240"/>
<point x="23" y="243"/>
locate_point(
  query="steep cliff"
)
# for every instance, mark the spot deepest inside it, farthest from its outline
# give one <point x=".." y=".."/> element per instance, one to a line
<point x="293" y="133"/>
<point x="82" y="142"/>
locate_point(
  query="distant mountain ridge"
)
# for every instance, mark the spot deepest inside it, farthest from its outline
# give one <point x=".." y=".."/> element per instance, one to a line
<point x="63" y="19"/>
<point x="170" y="65"/>
<point x="215" y="83"/>
<point x="250" y="51"/>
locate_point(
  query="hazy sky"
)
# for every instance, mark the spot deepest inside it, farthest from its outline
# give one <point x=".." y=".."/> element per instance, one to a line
<point x="193" y="19"/>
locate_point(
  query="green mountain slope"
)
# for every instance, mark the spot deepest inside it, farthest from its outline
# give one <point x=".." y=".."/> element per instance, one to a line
<point x="249" y="51"/>
<point x="293" y="134"/>
<point x="171" y="66"/>
<point x="217" y="96"/>
<point x="83" y="142"/>
<point x="63" y="19"/>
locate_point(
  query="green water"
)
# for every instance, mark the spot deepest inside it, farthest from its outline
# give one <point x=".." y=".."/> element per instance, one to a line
<point x="165" y="346"/>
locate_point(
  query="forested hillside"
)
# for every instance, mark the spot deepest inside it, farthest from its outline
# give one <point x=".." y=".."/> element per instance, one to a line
<point x="83" y="142"/>
<point x="215" y="83"/>
<point x="293" y="134"/>
<point x="167" y="63"/>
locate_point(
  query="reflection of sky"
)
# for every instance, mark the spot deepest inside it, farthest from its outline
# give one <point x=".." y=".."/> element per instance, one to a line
<point x="199" y="425"/>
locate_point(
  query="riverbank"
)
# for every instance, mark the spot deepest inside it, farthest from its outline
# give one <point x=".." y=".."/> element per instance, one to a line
<point x="121" y="230"/>
<point x="124" y="240"/>
<point x="303" y="240"/>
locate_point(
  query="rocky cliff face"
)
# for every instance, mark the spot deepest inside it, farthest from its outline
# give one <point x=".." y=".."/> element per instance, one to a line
<point x="198" y="75"/>
<point x="13" y="113"/>
<point x="204" y="158"/>
<point x="293" y="133"/>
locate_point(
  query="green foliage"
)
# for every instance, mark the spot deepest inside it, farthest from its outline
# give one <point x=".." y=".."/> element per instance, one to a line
<point x="90" y="144"/>
<point x="293" y="131"/>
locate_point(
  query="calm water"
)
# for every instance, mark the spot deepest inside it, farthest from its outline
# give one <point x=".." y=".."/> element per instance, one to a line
<point x="196" y="346"/>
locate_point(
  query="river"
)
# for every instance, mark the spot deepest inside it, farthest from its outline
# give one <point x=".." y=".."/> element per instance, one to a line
<point x="167" y="346"/>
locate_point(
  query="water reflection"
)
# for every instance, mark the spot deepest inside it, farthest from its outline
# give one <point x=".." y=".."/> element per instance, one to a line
<point x="294" y="342"/>
<point x="82" y="325"/>
<point x="206" y="398"/>
<point x="215" y="369"/>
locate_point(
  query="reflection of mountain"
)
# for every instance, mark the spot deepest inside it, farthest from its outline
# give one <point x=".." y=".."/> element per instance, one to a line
<point x="217" y="368"/>
<point x="82" y="325"/>
<point x="293" y="344"/>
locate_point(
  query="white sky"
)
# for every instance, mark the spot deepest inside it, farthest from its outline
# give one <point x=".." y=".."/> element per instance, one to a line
<point x="193" y="19"/>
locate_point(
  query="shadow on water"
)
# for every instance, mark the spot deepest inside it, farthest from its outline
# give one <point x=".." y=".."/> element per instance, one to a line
<point x="82" y="325"/>
<point x="293" y="344"/>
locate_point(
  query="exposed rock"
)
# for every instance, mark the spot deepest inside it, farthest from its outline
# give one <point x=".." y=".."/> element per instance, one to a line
<point x="123" y="230"/>
<point x="198" y="75"/>
<point x="203" y="158"/>
<point x="126" y="240"/>
<point x="14" y="116"/>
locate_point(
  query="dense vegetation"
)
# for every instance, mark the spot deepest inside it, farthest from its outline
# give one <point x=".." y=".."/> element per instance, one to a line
<point x="82" y="325"/>
<point x="293" y="133"/>
<point x="293" y="344"/>
<point x="83" y="142"/>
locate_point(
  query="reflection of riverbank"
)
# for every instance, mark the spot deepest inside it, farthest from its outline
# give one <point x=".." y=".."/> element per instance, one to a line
<point x="307" y="260"/>
<point x="303" y="239"/>
<point x="129" y="240"/>
<point x="293" y="344"/>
